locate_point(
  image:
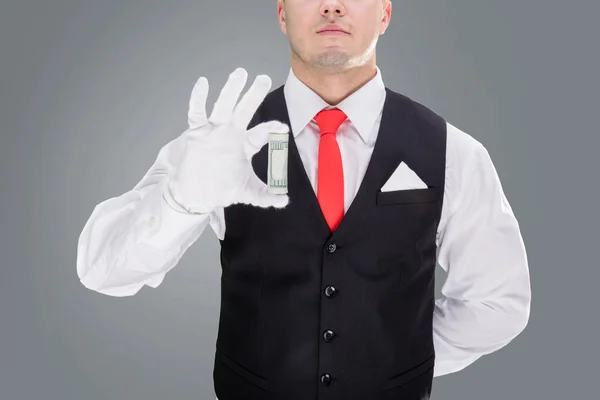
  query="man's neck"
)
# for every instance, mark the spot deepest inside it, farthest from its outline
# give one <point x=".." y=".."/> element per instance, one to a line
<point x="333" y="88"/>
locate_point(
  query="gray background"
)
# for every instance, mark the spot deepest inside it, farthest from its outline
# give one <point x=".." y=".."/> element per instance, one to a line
<point x="90" y="90"/>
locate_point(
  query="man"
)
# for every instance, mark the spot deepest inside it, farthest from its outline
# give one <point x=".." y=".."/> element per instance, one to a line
<point x="327" y="292"/>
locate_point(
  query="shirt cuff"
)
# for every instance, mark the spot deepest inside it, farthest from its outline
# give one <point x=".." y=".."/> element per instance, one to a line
<point x="170" y="225"/>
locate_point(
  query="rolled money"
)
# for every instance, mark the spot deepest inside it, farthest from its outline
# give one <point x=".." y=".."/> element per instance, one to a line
<point x="277" y="175"/>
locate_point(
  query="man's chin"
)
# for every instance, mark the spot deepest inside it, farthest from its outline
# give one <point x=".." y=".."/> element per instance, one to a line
<point x="332" y="61"/>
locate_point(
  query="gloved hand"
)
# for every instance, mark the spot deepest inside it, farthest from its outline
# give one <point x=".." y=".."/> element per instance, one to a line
<point x="216" y="170"/>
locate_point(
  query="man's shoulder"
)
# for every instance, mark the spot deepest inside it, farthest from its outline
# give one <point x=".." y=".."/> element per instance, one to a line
<point x="424" y="115"/>
<point x="428" y="118"/>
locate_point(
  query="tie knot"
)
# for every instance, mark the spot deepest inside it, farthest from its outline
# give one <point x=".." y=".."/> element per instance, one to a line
<point x="330" y="120"/>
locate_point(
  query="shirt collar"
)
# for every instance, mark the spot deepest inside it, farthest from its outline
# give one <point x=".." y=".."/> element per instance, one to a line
<point x="362" y="107"/>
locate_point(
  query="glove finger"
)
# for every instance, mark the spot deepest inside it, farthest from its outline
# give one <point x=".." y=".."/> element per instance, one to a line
<point x="258" y="136"/>
<point x="228" y="97"/>
<point x="246" y="108"/>
<point x="197" y="105"/>
<point x="257" y="194"/>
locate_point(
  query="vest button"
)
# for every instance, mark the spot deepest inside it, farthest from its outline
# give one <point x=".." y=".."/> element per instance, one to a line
<point x="330" y="291"/>
<point x="325" y="379"/>
<point x="328" y="335"/>
<point x="331" y="247"/>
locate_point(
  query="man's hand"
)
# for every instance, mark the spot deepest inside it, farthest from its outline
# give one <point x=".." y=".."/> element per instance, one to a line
<point x="216" y="170"/>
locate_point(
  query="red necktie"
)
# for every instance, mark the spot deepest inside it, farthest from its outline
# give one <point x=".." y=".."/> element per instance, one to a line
<point x="330" y="176"/>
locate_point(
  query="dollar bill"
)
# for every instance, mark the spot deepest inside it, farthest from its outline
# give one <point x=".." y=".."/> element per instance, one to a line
<point x="277" y="175"/>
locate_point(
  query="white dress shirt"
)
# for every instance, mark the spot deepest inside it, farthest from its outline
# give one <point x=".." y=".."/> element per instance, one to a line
<point x="134" y="239"/>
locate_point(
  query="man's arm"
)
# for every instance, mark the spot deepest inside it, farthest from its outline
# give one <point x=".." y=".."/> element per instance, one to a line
<point x="487" y="292"/>
<point x="134" y="239"/>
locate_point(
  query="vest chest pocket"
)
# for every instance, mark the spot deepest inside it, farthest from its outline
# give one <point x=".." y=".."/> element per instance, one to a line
<point x="407" y="196"/>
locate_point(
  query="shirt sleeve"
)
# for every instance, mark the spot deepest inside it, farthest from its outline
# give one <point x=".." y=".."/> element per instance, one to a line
<point x="486" y="295"/>
<point x="134" y="239"/>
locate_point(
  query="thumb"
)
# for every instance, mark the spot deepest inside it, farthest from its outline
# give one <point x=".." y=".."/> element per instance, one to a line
<point x="257" y="193"/>
<point x="258" y="136"/>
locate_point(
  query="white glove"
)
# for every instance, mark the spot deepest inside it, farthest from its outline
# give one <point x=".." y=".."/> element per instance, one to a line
<point x="216" y="169"/>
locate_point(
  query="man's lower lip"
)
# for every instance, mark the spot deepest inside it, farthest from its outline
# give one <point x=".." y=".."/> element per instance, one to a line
<point x="335" y="33"/>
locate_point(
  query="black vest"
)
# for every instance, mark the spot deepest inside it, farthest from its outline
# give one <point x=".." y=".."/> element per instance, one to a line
<point x="307" y="314"/>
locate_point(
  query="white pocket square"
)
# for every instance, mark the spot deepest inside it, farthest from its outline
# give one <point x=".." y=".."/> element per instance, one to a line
<point x="403" y="178"/>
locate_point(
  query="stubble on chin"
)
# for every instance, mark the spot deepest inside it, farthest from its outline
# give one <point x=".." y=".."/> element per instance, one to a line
<point x="331" y="61"/>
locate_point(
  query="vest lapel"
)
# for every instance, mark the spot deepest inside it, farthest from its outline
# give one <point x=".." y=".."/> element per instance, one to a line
<point x="394" y="136"/>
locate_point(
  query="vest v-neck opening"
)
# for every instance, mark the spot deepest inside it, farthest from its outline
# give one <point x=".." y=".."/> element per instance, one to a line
<point x="386" y="156"/>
